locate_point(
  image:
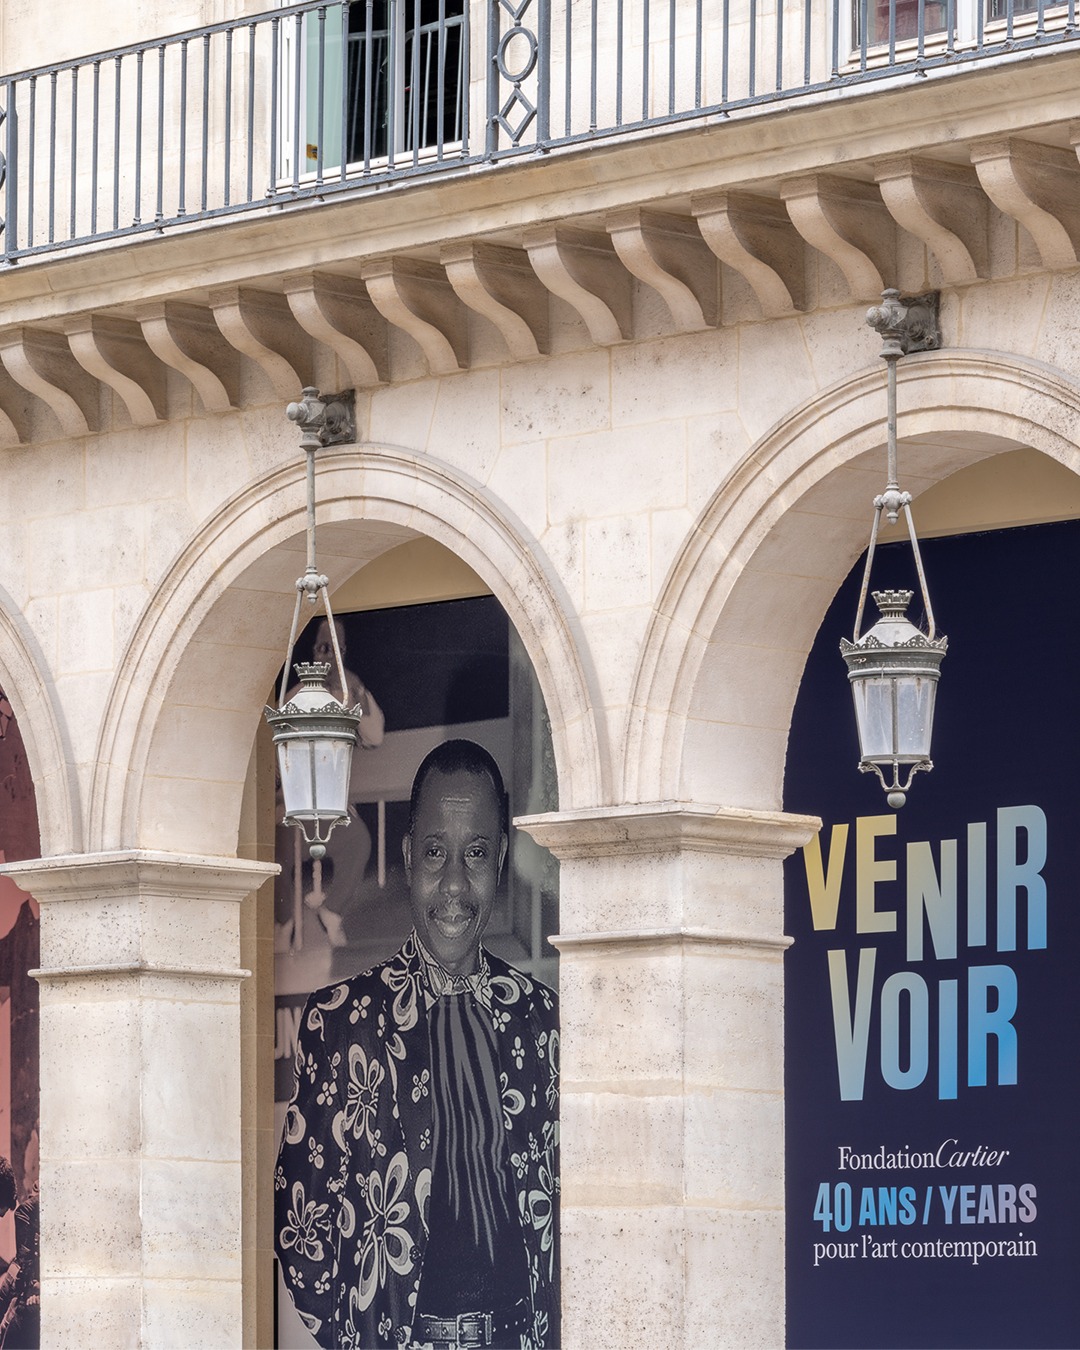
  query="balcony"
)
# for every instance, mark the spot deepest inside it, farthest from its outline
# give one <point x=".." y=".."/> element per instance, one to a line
<point x="327" y="99"/>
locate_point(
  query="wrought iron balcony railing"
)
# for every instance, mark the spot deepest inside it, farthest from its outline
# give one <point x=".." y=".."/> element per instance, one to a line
<point x="318" y="98"/>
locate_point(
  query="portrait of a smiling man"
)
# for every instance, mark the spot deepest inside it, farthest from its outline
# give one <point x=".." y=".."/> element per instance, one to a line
<point x="417" y="1181"/>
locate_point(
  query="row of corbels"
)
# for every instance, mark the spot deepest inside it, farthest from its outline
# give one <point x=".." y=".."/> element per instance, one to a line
<point x="852" y="221"/>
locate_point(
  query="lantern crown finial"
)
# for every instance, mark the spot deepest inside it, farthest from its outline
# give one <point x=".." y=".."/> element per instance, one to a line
<point x="892" y="604"/>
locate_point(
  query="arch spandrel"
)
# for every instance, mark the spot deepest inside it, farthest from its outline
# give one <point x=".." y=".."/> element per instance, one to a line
<point x="725" y="650"/>
<point x="201" y="661"/>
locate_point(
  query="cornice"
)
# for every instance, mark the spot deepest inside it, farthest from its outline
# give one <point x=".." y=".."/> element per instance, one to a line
<point x="753" y="149"/>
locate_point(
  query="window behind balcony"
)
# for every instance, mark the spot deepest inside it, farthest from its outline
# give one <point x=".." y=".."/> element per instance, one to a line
<point x="392" y="77"/>
<point x="890" y="21"/>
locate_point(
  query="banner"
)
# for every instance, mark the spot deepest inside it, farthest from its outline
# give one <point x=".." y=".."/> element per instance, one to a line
<point x="932" y="1023"/>
<point x="405" y="1088"/>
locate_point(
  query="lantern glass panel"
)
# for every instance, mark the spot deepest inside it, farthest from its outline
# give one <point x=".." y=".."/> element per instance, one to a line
<point x="914" y="715"/>
<point x="333" y="766"/>
<point x="873" y="698"/>
<point x="297" y="780"/>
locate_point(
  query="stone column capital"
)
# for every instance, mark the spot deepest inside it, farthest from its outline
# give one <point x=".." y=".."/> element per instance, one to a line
<point x="119" y="875"/>
<point x="140" y="915"/>
<point x="669" y="827"/>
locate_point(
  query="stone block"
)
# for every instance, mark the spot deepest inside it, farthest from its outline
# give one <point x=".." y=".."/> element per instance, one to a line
<point x="674" y="377"/>
<point x="92" y="1047"/>
<point x="617" y="572"/>
<point x="81" y="1311"/>
<point x="190" y="1081"/>
<point x="734" y="1025"/>
<point x="618" y="473"/>
<point x="628" y="1022"/>
<point x="519" y="476"/>
<point x="143" y="464"/>
<point x="85" y="633"/>
<point x="190" y="815"/>
<point x="622" y="1148"/>
<point x="563" y="396"/>
<point x="191" y="1219"/>
<point x="464" y="429"/>
<point x="733" y="1150"/>
<point x="734" y="1276"/>
<point x="623" y="1278"/>
<point x="614" y="643"/>
<point x="729" y="763"/>
<point x="91" y="1219"/>
<point x="402" y="414"/>
<point x="191" y="1315"/>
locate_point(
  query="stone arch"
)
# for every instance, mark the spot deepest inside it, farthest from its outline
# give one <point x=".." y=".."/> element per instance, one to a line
<point x="26" y="681"/>
<point x="204" y="654"/>
<point x="726" y="645"/>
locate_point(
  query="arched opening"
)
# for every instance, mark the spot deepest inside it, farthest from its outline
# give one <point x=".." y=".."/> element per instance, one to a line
<point x="177" y="735"/>
<point x="721" y="665"/>
<point x="180" y="778"/>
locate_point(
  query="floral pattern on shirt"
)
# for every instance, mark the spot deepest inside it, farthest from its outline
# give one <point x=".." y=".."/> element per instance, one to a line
<point x="354" y="1168"/>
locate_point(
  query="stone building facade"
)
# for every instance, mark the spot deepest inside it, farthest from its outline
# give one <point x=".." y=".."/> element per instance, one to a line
<point x="625" y="379"/>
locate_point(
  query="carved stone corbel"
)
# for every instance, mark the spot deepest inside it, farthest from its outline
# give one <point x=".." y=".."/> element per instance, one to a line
<point x="260" y="325"/>
<point x="14" y="413"/>
<point x="583" y="269"/>
<point x="113" y="351"/>
<point x="944" y="206"/>
<point x="186" y="338"/>
<point x="1038" y="186"/>
<point x="755" y="237"/>
<point x="416" y="297"/>
<point x="338" y="312"/>
<point x="42" y="363"/>
<point x="500" y="284"/>
<point x="668" y="253"/>
<point x="845" y="219"/>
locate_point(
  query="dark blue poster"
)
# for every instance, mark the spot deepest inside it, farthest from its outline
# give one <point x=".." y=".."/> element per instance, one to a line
<point x="932" y="990"/>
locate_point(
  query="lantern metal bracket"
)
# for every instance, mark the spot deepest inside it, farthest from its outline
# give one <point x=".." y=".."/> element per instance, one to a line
<point x="896" y="786"/>
<point x="907" y="324"/>
<point x="900" y="659"/>
<point x="326" y="419"/>
<point x="322" y="422"/>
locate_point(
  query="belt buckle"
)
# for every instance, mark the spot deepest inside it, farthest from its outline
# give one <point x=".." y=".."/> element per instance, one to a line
<point x="473" y="1330"/>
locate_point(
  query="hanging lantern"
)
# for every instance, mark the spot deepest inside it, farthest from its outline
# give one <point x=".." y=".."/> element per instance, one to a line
<point x="314" y="734"/>
<point x="894" y="666"/>
<point x="893" y="669"/>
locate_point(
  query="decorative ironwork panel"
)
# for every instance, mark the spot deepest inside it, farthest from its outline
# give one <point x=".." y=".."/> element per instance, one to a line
<point x="518" y="74"/>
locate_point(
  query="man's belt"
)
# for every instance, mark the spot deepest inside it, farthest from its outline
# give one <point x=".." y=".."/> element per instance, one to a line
<point x="470" y="1330"/>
